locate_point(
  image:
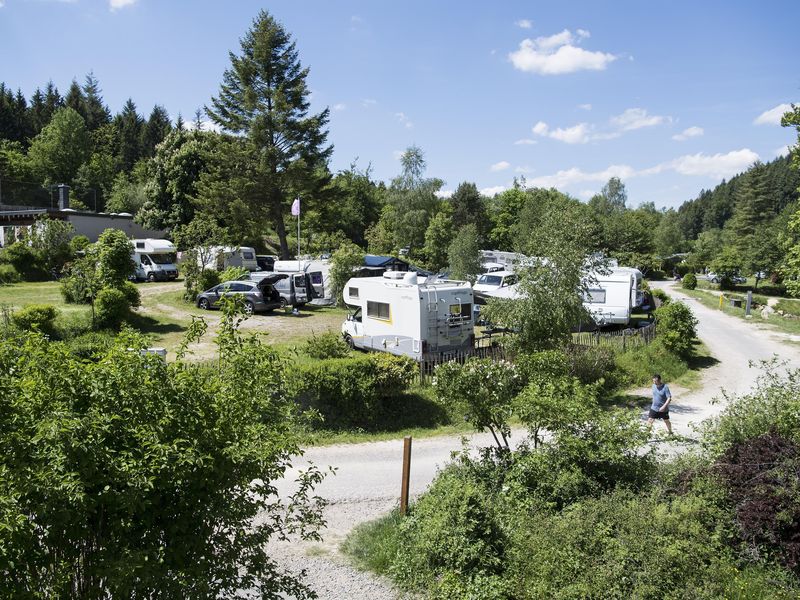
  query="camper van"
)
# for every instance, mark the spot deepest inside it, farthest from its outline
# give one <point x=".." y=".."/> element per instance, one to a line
<point x="222" y="257"/>
<point x="396" y="313"/>
<point x="154" y="260"/>
<point x="609" y="297"/>
<point x="317" y="273"/>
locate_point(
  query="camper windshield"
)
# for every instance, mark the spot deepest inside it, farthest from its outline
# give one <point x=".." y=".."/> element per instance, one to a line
<point x="490" y="280"/>
<point x="162" y="259"/>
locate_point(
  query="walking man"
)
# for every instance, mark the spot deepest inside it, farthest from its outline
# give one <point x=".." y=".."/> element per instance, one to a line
<point x="661" y="400"/>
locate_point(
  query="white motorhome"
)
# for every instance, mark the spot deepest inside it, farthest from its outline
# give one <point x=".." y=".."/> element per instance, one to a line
<point x="155" y="260"/>
<point x="319" y="276"/>
<point x="492" y="259"/>
<point x="610" y="296"/>
<point x="397" y="313"/>
<point x="222" y="257"/>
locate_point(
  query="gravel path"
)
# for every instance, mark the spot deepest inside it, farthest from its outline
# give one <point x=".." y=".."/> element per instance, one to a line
<point x="367" y="480"/>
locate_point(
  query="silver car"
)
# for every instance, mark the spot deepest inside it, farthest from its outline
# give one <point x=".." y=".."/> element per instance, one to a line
<point x="259" y="296"/>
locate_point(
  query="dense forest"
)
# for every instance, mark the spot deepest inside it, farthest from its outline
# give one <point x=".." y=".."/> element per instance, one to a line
<point x="244" y="180"/>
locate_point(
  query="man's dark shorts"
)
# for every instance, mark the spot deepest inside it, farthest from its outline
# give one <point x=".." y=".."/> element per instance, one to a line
<point x="659" y="415"/>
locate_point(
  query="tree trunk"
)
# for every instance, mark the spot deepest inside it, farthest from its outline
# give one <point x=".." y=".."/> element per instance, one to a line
<point x="280" y="229"/>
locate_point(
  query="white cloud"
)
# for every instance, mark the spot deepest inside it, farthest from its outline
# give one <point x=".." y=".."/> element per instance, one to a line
<point x="783" y="151"/>
<point x="586" y="194"/>
<point x="339" y="106"/>
<point x="444" y="193"/>
<point x="773" y="115"/>
<point x="585" y="106"/>
<point x="500" y="166"/>
<point x="688" y="133"/>
<point x="397" y="154"/>
<point x="524" y="23"/>
<point x="492" y="191"/>
<point x="717" y="166"/>
<point x="557" y="54"/>
<point x="355" y="22"/>
<point x="404" y="120"/>
<point x="524" y="169"/>
<point x="368" y="102"/>
<point x="205" y="125"/>
<point x="525" y="142"/>
<point x="115" y="5"/>
<point x="636" y="118"/>
<point x="2" y="3"/>
<point x="577" y="134"/>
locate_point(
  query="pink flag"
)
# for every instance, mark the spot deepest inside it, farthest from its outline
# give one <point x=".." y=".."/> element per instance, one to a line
<point x="296" y="207"/>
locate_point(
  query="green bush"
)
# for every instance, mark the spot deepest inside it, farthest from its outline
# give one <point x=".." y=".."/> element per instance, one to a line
<point x="636" y="367"/>
<point x="35" y="317"/>
<point x="689" y="281"/>
<point x="91" y="345"/>
<point x="327" y="345"/>
<point x="132" y="294"/>
<point x="70" y="325"/>
<point x="548" y="363"/>
<point x="351" y="392"/>
<point x="662" y="296"/>
<point x="26" y="261"/>
<point x="675" y="325"/>
<point x="78" y="243"/>
<point x="111" y="308"/>
<point x="590" y="364"/>
<point x="233" y="274"/>
<point x="791" y="307"/>
<point x="8" y="274"/>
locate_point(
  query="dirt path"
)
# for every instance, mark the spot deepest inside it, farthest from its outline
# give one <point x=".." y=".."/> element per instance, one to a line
<point x="367" y="481"/>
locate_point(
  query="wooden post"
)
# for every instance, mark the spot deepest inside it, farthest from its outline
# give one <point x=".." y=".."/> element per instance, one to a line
<point x="721" y="299"/>
<point x="749" y="302"/>
<point x="406" y="474"/>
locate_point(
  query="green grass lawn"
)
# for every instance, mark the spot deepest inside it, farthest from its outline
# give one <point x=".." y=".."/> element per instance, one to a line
<point x="19" y="295"/>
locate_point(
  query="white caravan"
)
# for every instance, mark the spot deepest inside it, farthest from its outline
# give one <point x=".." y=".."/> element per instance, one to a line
<point x="637" y="293"/>
<point x="609" y="297"/>
<point x="319" y="276"/>
<point x="491" y="259"/>
<point x="154" y="260"/>
<point x="222" y="257"/>
<point x="397" y="313"/>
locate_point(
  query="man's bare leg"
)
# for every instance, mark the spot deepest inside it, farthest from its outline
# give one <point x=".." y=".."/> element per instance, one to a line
<point x="669" y="425"/>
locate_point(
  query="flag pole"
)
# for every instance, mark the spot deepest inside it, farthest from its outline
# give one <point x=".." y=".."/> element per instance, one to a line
<point x="298" y="236"/>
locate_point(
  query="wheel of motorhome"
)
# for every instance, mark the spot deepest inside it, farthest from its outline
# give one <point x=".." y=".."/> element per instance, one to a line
<point x="151" y="277"/>
<point x="248" y="308"/>
<point x="204" y="304"/>
<point x="349" y="341"/>
<point x="283" y="303"/>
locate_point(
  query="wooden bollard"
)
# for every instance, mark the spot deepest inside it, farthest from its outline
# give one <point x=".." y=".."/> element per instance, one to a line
<point x="406" y="474"/>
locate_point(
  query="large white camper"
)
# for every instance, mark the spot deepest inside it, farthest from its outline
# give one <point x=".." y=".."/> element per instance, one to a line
<point x="154" y="259"/>
<point x="609" y="297"/>
<point x="637" y="293"/>
<point x="220" y="258"/>
<point x="396" y="313"/>
<point x="319" y="276"/>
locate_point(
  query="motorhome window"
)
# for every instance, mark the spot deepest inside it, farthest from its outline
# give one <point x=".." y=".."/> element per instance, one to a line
<point x="352" y="292"/>
<point x="378" y="310"/>
<point x="490" y="280"/>
<point x="140" y="244"/>
<point x="595" y="296"/>
<point x="316" y="278"/>
<point x="461" y="310"/>
<point x="163" y="259"/>
<point x="299" y="281"/>
<point x="248" y="255"/>
<point x="145" y="260"/>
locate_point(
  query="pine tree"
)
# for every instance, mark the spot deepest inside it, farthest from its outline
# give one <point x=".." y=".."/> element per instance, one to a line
<point x="7" y="114"/>
<point x="97" y="113"/>
<point x="155" y="130"/>
<point x="76" y="100"/>
<point x="37" y="111"/>
<point x="129" y="127"/>
<point x="264" y="96"/>
<point x="24" y="125"/>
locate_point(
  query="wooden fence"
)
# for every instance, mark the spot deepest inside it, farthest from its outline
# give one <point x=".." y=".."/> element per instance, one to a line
<point x="428" y="365"/>
<point x="624" y="339"/>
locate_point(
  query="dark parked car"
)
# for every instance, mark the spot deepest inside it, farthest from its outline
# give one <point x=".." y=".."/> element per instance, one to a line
<point x="259" y="296"/>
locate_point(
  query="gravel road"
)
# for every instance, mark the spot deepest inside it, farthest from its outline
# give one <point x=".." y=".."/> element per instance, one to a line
<point x="367" y="480"/>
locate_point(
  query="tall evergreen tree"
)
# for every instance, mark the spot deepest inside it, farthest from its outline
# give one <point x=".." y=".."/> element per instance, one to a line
<point x="38" y="111"/>
<point x="155" y="130"/>
<point x="129" y="125"/>
<point x="76" y="100"/>
<point x="97" y="113"/>
<point x="468" y="207"/>
<point x="24" y="125"/>
<point x="264" y="96"/>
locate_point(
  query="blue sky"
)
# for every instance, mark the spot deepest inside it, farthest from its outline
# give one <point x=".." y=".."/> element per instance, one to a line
<point x="670" y="96"/>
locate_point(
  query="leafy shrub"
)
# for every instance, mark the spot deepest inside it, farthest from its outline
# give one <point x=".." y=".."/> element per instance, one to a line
<point x="327" y="345"/>
<point x="8" y="274"/>
<point x="689" y="281"/>
<point x="636" y="367"/>
<point x="351" y="392"/>
<point x="132" y="294"/>
<point x="590" y="364"/>
<point x="91" y="345"/>
<point x="232" y="274"/>
<point x="78" y="243"/>
<point x="208" y="279"/>
<point x="70" y="325"/>
<point x="676" y="328"/>
<point x="768" y="514"/>
<point x="35" y="317"/>
<point x="661" y="296"/>
<point x="26" y="261"/>
<point x="553" y="363"/>
<point x="111" y="308"/>
<point x="113" y="252"/>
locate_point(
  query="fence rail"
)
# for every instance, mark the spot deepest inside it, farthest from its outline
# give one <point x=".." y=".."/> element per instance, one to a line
<point x="624" y="339"/>
<point x="428" y="364"/>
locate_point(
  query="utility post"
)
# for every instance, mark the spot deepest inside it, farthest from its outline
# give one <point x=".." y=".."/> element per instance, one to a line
<point x="406" y="475"/>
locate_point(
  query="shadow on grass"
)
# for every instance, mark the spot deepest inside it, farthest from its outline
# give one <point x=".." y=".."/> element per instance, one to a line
<point x="411" y="409"/>
<point x="147" y="324"/>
